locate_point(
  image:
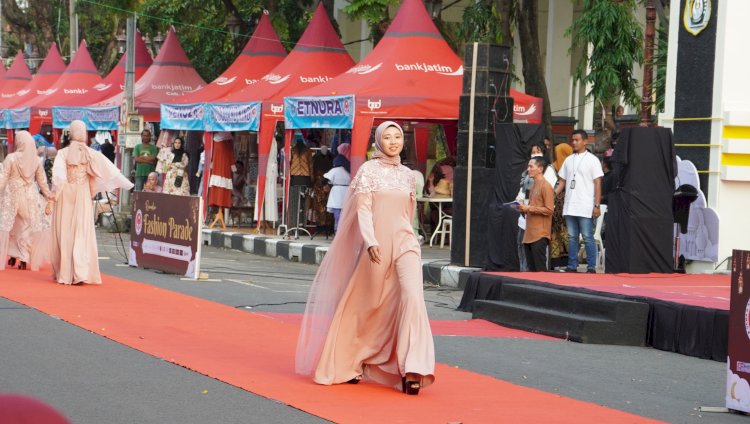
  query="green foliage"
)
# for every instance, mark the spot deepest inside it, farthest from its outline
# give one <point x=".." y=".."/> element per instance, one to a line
<point x="374" y="12"/>
<point x="617" y="40"/>
<point x="660" y="64"/>
<point x="480" y="23"/>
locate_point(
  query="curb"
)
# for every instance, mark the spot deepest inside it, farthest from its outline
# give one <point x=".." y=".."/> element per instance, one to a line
<point x="437" y="272"/>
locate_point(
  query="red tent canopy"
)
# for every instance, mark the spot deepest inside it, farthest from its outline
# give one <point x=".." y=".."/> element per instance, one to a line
<point x="15" y="79"/>
<point x="318" y="57"/>
<point x="411" y="74"/>
<point x="261" y="54"/>
<point x="51" y="69"/>
<point x="73" y="88"/>
<point x="526" y="108"/>
<point x="170" y="77"/>
<point x="114" y="83"/>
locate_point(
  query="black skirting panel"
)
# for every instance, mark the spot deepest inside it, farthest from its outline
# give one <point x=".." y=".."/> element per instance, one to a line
<point x="673" y="327"/>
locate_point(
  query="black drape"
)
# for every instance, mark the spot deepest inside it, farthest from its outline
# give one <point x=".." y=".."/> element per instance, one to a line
<point x="639" y="215"/>
<point x="512" y="143"/>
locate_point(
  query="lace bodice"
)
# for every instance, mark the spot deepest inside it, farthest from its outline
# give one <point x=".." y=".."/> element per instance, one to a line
<point x="376" y="176"/>
<point x="77" y="174"/>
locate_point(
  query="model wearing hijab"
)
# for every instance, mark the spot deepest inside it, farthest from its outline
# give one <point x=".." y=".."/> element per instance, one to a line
<point x="176" y="163"/>
<point x="366" y="317"/>
<point x="22" y="217"/>
<point x="78" y="174"/>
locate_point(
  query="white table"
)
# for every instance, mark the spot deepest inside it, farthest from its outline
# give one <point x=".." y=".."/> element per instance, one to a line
<point x="441" y="215"/>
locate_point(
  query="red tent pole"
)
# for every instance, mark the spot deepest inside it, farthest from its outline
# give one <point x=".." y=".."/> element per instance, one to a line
<point x="11" y="140"/>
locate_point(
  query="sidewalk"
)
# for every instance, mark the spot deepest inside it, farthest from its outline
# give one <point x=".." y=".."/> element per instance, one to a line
<point x="436" y="265"/>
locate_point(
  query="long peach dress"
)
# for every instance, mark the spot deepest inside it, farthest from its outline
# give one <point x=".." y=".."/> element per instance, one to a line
<point x="78" y="174"/>
<point x="22" y="219"/>
<point x="364" y="318"/>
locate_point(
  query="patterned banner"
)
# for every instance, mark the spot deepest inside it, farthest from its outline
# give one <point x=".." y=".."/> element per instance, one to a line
<point x="96" y="118"/>
<point x="189" y="117"/>
<point x="232" y="116"/>
<point x="319" y="112"/>
<point x="18" y="118"/>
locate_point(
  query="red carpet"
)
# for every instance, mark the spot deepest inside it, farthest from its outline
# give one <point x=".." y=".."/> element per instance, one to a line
<point x="468" y="328"/>
<point x="706" y="290"/>
<point x="256" y="353"/>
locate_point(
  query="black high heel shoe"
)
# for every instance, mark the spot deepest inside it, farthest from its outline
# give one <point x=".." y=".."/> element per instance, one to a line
<point x="12" y="261"/>
<point x="22" y="265"/>
<point x="410" y="387"/>
<point x="355" y="380"/>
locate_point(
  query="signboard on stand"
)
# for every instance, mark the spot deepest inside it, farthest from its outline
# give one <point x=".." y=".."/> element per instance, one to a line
<point x="738" y="360"/>
<point x="166" y="233"/>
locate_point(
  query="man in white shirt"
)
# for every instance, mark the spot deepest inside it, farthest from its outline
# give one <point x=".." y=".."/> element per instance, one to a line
<point x="581" y="178"/>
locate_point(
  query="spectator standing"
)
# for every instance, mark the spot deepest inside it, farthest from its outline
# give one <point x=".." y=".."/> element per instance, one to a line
<point x="144" y="155"/>
<point x="538" y="216"/>
<point x="581" y="178"/>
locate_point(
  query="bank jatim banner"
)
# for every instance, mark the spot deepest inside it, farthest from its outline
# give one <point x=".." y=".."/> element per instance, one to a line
<point x="738" y="361"/>
<point x="165" y="233"/>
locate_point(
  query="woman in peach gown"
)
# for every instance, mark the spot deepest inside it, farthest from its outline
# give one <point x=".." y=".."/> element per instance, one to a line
<point x="78" y="174"/>
<point x="365" y="315"/>
<point x="22" y="219"/>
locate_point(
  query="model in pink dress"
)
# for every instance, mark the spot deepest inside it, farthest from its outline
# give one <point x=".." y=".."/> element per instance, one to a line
<point x="366" y="315"/>
<point x="78" y="174"/>
<point x="22" y="218"/>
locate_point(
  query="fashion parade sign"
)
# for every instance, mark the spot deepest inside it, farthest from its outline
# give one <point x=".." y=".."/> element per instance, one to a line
<point x="738" y="359"/>
<point x="319" y="112"/>
<point x="96" y="118"/>
<point x="166" y="233"/>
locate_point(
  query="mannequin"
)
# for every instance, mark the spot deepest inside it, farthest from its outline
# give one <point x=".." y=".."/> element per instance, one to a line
<point x="300" y="171"/>
<point x="220" y="182"/>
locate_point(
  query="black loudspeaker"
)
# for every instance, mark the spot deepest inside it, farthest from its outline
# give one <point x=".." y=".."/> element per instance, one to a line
<point x="490" y="56"/>
<point x="484" y="149"/>
<point x="488" y="83"/>
<point x="481" y="195"/>
<point x="486" y="108"/>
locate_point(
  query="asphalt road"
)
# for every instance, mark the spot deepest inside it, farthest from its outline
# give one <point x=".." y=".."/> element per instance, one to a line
<point x="95" y="380"/>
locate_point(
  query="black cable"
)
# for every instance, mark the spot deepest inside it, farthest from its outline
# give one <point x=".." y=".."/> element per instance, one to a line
<point x="117" y="234"/>
<point x="269" y="304"/>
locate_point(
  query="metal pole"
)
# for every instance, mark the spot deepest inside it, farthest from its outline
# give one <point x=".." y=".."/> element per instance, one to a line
<point x="129" y="95"/>
<point x="648" y="61"/>
<point x="73" y="29"/>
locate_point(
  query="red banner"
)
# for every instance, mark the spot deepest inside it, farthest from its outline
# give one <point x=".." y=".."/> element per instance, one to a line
<point x="166" y="233"/>
<point x="738" y="367"/>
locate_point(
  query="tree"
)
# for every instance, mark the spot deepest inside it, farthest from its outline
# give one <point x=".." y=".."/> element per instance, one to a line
<point x="531" y="56"/>
<point x="374" y="12"/>
<point x="616" y="41"/>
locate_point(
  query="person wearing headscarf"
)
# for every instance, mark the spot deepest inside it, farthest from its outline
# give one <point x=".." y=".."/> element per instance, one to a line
<point x="338" y="178"/>
<point x="22" y="217"/>
<point x="365" y="315"/>
<point x="152" y="183"/>
<point x="78" y="174"/>
<point x="562" y="151"/>
<point x="175" y="178"/>
<point x="559" y="241"/>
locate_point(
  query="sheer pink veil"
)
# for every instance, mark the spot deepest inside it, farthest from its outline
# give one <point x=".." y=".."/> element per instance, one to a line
<point x="26" y="159"/>
<point x="106" y="175"/>
<point x="328" y="287"/>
